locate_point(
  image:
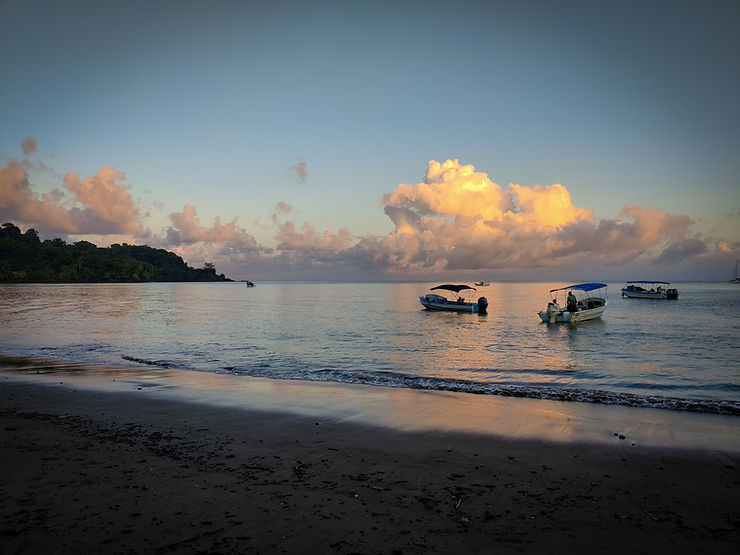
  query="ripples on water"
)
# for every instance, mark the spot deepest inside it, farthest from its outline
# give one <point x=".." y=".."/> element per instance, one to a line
<point x="673" y="354"/>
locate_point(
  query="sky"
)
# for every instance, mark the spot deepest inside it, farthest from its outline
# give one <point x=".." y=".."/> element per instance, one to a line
<point x="360" y="140"/>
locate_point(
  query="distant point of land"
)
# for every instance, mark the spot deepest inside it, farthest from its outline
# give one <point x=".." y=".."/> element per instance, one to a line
<point x="24" y="258"/>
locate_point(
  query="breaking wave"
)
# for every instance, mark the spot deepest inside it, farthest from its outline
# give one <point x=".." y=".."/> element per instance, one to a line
<point x="566" y="394"/>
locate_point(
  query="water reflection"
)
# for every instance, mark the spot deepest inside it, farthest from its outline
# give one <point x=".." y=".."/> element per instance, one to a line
<point x="405" y="409"/>
<point x="60" y="314"/>
<point x="379" y="333"/>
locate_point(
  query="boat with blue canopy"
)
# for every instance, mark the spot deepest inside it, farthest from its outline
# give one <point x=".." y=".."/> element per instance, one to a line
<point x="455" y="298"/>
<point x="649" y="290"/>
<point x="582" y="302"/>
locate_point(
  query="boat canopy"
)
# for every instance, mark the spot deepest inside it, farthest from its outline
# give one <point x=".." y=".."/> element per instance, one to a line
<point x="651" y="282"/>
<point x="455" y="288"/>
<point x="581" y="287"/>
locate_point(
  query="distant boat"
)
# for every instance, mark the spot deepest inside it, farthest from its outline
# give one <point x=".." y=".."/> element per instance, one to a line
<point x="735" y="277"/>
<point x="482" y="283"/>
<point x="249" y="283"/>
<point x="454" y="298"/>
<point x="649" y="290"/>
<point x="590" y="303"/>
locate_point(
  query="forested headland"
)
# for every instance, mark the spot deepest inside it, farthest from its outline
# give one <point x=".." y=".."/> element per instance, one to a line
<point x="24" y="258"/>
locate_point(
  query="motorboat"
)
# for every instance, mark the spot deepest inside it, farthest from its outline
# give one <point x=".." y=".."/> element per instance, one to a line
<point x="649" y="290"/>
<point x="481" y="283"/>
<point x="455" y="298"/>
<point x="589" y="304"/>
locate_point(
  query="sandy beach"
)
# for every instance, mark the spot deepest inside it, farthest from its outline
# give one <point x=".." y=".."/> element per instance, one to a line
<point x="108" y="470"/>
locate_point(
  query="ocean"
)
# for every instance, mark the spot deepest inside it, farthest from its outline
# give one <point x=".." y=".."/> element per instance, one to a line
<point x="674" y="355"/>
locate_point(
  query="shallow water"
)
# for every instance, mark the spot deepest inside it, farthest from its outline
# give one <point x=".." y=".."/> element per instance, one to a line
<point x="669" y="354"/>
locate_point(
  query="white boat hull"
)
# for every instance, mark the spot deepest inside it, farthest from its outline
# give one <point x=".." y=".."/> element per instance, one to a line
<point x="564" y="317"/>
<point x="644" y="294"/>
<point x="449" y="305"/>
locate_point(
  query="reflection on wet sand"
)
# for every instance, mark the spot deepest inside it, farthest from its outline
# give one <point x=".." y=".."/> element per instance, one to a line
<point x="396" y="408"/>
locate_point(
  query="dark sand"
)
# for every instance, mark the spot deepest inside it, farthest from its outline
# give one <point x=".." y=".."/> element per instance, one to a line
<point x="85" y="471"/>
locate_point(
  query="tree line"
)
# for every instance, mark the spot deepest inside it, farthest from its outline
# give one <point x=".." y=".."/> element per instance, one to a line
<point x="24" y="258"/>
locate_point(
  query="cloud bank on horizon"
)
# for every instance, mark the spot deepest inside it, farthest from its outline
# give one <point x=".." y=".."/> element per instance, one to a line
<point x="456" y="221"/>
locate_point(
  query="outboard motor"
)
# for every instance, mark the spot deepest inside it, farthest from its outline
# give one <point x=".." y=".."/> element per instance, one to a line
<point x="482" y="305"/>
<point x="552" y="312"/>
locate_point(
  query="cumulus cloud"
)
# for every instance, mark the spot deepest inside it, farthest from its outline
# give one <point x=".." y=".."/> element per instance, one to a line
<point x="678" y="252"/>
<point x="458" y="218"/>
<point x="306" y="237"/>
<point x="234" y="251"/>
<point x="722" y="246"/>
<point x="291" y="237"/>
<point x="106" y="201"/>
<point x="299" y="171"/>
<point x="187" y="229"/>
<point x="455" y="219"/>
<point x="28" y="145"/>
<point x="98" y="204"/>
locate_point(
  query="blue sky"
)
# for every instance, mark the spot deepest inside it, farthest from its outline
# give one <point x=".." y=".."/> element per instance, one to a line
<point x="292" y="121"/>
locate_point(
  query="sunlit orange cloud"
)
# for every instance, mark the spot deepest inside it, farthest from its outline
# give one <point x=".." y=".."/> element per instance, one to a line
<point x="451" y="193"/>
<point x="99" y="204"/>
<point x="106" y="199"/>
<point x="545" y="209"/>
<point x="289" y="238"/>
<point x="187" y="229"/>
<point x="455" y="196"/>
<point x="292" y="238"/>
<point x="458" y="218"/>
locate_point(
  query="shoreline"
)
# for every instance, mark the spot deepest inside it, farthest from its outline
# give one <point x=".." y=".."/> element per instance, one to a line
<point x="138" y="466"/>
<point x="399" y="409"/>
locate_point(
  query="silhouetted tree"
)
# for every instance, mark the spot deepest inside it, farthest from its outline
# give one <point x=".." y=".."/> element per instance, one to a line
<point x="26" y="259"/>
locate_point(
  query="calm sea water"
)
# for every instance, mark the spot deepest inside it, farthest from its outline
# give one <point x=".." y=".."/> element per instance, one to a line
<point x="682" y="355"/>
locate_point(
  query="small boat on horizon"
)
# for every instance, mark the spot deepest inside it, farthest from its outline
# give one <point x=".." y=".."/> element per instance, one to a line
<point x="454" y="298"/>
<point x="735" y="277"/>
<point x="583" y="301"/>
<point x="649" y="290"/>
<point x="481" y="283"/>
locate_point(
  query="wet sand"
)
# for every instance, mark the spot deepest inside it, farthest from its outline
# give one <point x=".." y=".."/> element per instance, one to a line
<point x="87" y="469"/>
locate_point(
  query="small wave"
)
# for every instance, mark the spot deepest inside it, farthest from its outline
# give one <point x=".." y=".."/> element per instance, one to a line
<point x="392" y="379"/>
<point x="157" y="363"/>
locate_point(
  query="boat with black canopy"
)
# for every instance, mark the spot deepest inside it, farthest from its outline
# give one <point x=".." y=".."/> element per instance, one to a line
<point x="455" y="298"/>
<point x="649" y="290"/>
